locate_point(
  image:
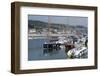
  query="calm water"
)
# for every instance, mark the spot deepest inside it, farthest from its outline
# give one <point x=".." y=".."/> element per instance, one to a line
<point x="37" y="52"/>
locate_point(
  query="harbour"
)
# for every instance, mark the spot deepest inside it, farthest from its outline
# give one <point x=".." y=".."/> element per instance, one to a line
<point x="44" y="49"/>
<point x="57" y="37"/>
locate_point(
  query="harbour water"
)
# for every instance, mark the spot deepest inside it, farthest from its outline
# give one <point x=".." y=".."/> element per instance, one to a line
<point x="37" y="52"/>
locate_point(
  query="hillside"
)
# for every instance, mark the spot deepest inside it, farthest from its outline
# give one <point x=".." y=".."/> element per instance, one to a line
<point x="41" y="25"/>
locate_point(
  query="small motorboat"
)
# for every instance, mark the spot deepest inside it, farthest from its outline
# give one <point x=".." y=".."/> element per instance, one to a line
<point x="77" y="52"/>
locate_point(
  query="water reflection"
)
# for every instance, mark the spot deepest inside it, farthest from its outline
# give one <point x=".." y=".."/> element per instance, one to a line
<point x="50" y="52"/>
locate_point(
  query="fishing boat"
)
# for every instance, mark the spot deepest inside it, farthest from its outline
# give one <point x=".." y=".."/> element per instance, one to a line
<point x="51" y="43"/>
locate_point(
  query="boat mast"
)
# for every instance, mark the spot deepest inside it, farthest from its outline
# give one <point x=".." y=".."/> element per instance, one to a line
<point x="48" y="35"/>
<point x="65" y="29"/>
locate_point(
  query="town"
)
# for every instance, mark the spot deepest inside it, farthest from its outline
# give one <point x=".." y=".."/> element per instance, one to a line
<point x="73" y="39"/>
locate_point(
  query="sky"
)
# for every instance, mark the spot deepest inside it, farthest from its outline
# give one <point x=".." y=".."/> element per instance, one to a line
<point x="71" y="20"/>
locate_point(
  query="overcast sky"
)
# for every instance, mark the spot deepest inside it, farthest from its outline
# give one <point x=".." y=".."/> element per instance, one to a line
<point x="71" y="20"/>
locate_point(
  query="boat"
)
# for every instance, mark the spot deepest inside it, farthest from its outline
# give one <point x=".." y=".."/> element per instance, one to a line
<point x="51" y="44"/>
<point x="77" y="52"/>
<point x="52" y="40"/>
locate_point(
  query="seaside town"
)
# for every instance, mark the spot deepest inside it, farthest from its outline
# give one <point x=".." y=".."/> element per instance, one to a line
<point x="72" y="39"/>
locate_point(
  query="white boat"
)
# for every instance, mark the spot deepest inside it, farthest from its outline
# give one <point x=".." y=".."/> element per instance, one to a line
<point x="61" y="40"/>
<point x="77" y="52"/>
